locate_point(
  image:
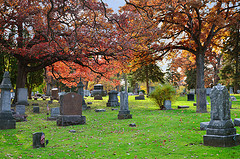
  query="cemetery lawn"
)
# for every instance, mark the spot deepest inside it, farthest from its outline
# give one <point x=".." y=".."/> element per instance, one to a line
<point x="158" y="133"/>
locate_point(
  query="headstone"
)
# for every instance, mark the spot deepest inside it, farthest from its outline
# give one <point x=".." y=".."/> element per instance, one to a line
<point x="114" y="109"/>
<point x="238" y="91"/>
<point x="233" y="98"/>
<point x="70" y="110"/>
<point x="89" y="102"/>
<point x="124" y="113"/>
<point x="6" y="118"/>
<point x="132" y="125"/>
<point x="192" y="91"/>
<point x="55" y="94"/>
<point x="20" y="109"/>
<point x="231" y="90"/>
<point x="22" y="96"/>
<point x="203" y="125"/>
<point x="190" y="97"/>
<point x="181" y="107"/>
<point x="81" y="92"/>
<point x="86" y="93"/>
<point x="113" y="99"/>
<point x="54" y="113"/>
<point x="100" y="110"/>
<point x="38" y="140"/>
<point x="140" y="97"/>
<point x="237" y="121"/>
<point x="35" y="109"/>
<point x="167" y="105"/>
<point x="220" y="131"/>
<point x="208" y="91"/>
<point x="98" y="97"/>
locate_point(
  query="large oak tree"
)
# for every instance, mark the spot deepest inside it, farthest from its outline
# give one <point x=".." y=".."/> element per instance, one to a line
<point x="39" y="33"/>
<point x="190" y="25"/>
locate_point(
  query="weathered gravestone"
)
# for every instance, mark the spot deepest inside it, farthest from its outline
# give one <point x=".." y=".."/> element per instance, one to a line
<point x="38" y="140"/>
<point x="124" y="113"/>
<point x="167" y="105"/>
<point x="98" y="97"/>
<point x="22" y="96"/>
<point x="81" y="92"/>
<point x="208" y="91"/>
<point x="220" y="131"/>
<point x="190" y="97"/>
<point x="140" y="97"/>
<point x="6" y="119"/>
<point x="54" y="113"/>
<point x="20" y="109"/>
<point x="35" y="109"/>
<point x="55" y="95"/>
<point x="70" y="110"/>
<point x="113" y="99"/>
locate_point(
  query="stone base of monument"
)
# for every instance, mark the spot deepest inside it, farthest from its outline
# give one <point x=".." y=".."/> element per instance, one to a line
<point x="7" y="121"/>
<point x="221" y="141"/>
<point x="37" y="140"/>
<point x="67" y="120"/>
<point x="237" y="122"/>
<point x="112" y="104"/>
<point x="203" y="125"/>
<point x="124" y="115"/>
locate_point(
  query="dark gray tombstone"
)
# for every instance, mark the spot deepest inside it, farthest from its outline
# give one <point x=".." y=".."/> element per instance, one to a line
<point x="167" y="105"/>
<point x="113" y="99"/>
<point x="35" y="109"/>
<point x="100" y="110"/>
<point x="220" y="131"/>
<point x="22" y="96"/>
<point x="6" y="118"/>
<point x="98" y="97"/>
<point x="124" y="112"/>
<point x="190" y="97"/>
<point x="54" y="113"/>
<point x="70" y="110"/>
<point x="181" y="107"/>
<point x="81" y="92"/>
<point x="38" y="140"/>
<point x="20" y="109"/>
<point x="140" y="97"/>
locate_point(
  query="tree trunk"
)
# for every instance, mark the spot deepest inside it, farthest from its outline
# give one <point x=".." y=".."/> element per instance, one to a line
<point x="147" y="80"/>
<point x="236" y="75"/>
<point x="21" y="79"/>
<point x="201" y="91"/>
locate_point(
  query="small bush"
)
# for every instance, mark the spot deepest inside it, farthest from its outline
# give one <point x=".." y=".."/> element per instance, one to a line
<point x="162" y="93"/>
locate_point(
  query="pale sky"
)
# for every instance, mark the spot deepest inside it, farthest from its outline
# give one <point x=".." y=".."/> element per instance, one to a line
<point x="115" y="4"/>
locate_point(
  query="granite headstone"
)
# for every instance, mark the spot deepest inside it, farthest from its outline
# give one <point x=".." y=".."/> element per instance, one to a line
<point x="113" y="99"/>
<point x="124" y="112"/>
<point x="220" y="131"/>
<point x="22" y="96"/>
<point x="70" y="110"/>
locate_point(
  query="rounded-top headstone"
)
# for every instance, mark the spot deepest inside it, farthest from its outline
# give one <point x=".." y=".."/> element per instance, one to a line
<point x="113" y="92"/>
<point x="6" y="82"/>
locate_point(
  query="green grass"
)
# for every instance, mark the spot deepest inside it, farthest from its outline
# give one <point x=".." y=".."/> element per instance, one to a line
<point x="159" y="133"/>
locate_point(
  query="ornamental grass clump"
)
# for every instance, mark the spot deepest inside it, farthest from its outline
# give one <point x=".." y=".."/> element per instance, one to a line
<point x="162" y="93"/>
